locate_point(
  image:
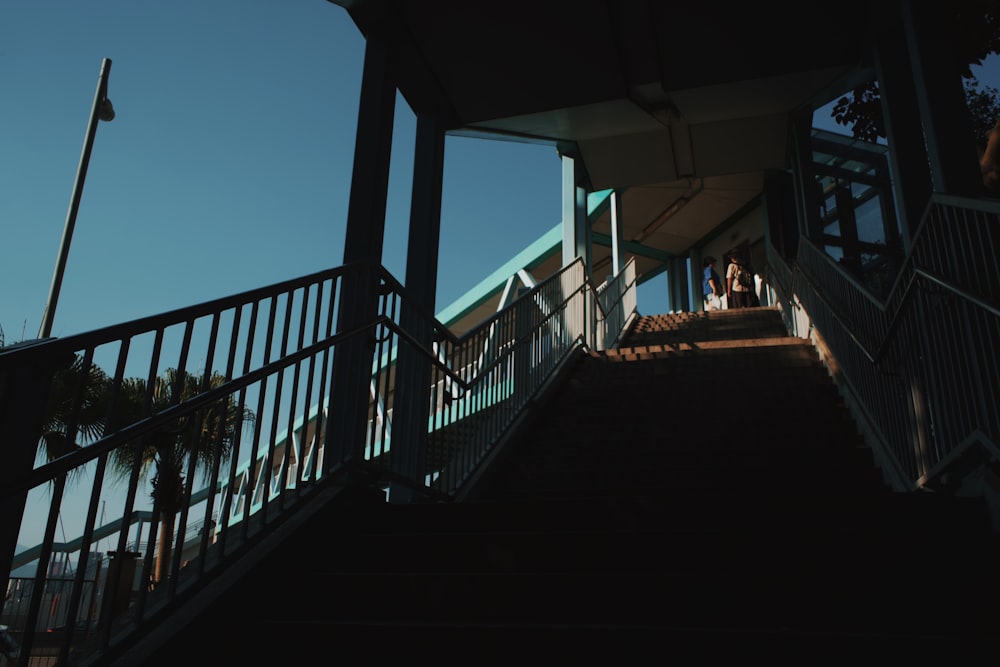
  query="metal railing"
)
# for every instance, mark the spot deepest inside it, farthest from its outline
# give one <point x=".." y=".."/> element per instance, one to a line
<point x="921" y="364"/>
<point x="221" y="415"/>
<point x="616" y="301"/>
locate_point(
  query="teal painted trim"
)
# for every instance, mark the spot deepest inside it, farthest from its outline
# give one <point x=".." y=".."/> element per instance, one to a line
<point x="597" y="203"/>
<point x="537" y="252"/>
<point x="633" y="247"/>
<point x="297" y="427"/>
<point x="540" y="250"/>
<point x="649" y="275"/>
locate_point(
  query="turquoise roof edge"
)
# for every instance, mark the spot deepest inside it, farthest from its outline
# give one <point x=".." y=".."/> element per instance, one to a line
<point x="541" y="249"/>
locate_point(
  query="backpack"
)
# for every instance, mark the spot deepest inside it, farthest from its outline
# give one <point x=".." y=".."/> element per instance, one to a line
<point x="744" y="277"/>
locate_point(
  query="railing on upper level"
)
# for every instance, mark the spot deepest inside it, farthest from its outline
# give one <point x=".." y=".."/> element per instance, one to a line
<point x="616" y="304"/>
<point x="220" y="413"/>
<point x="920" y="365"/>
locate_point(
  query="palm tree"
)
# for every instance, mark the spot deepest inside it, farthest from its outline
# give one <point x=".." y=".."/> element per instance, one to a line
<point x="92" y="385"/>
<point x="167" y="450"/>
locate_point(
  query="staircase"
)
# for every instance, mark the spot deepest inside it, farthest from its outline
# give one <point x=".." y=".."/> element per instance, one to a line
<point x="699" y="494"/>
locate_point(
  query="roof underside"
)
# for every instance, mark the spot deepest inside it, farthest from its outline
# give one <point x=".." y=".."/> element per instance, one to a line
<point x="684" y="107"/>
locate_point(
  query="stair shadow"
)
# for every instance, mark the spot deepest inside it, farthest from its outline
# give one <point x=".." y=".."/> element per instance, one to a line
<point x="626" y="520"/>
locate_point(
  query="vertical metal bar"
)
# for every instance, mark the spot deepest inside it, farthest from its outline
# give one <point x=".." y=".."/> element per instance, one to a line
<point x="76" y="595"/>
<point x="182" y="361"/>
<point x="275" y="416"/>
<point x="177" y="396"/>
<point x="253" y="477"/>
<point x="376" y="445"/>
<point x="297" y="374"/>
<point x="113" y="423"/>
<point x="147" y="409"/>
<point x="42" y="571"/>
<point x="216" y="472"/>
<point x="193" y="458"/>
<point x="322" y="413"/>
<point x="226" y="513"/>
<point x="307" y="448"/>
<point x="395" y="342"/>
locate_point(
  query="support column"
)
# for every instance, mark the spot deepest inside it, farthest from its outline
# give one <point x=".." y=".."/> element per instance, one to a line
<point x="585" y="241"/>
<point x="781" y="229"/>
<point x="353" y="358"/>
<point x="576" y="231"/>
<point x="616" y="232"/>
<point x="951" y="147"/>
<point x="808" y="199"/>
<point x="907" y="153"/>
<point x="678" y="284"/>
<point x="24" y="391"/>
<point x="692" y="268"/>
<point x="669" y="285"/>
<point x="413" y="377"/>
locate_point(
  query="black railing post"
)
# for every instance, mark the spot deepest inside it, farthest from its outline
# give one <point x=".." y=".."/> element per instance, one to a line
<point x="25" y="377"/>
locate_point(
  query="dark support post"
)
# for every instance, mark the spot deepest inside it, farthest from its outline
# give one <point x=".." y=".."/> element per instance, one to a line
<point x="353" y="358"/>
<point x="805" y="177"/>
<point x="569" y="226"/>
<point x="905" y="136"/>
<point x="413" y="375"/>
<point x="585" y="241"/>
<point x="678" y="284"/>
<point x="617" y="233"/>
<point x="951" y="146"/>
<point x="576" y="231"/>
<point x="848" y="227"/>
<point x="694" y="275"/>
<point x="781" y="228"/>
<point x="23" y="395"/>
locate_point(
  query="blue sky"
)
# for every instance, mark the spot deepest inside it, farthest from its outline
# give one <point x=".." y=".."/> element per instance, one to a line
<point x="228" y="164"/>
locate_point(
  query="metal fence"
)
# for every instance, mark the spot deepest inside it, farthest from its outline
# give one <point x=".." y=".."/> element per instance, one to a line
<point x="178" y="441"/>
<point x="920" y="364"/>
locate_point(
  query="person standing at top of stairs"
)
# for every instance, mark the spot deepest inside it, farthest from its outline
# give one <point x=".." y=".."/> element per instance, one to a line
<point x="739" y="282"/>
<point x="711" y="285"/>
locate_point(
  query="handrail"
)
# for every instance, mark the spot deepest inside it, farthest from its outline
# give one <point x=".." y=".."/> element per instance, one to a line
<point x="79" y="457"/>
<point x="313" y="295"/>
<point x="845" y="275"/>
<point x="445" y="334"/>
<point x="993" y="309"/>
<point x="934" y="326"/>
<point x="847" y="327"/>
<point x="625" y="281"/>
<point x="904" y="300"/>
<point x="180" y="315"/>
<point x="492" y="319"/>
<point x="263" y="335"/>
<point x="624" y="272"/>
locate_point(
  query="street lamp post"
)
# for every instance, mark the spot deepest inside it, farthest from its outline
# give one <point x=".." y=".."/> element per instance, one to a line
<point x="102" y="110"/>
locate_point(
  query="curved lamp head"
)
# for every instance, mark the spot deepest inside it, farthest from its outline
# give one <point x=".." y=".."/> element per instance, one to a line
<point x="107" y="110"/>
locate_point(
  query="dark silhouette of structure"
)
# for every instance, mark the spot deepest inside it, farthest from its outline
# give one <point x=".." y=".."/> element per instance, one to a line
<point x="549" y="486"/>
